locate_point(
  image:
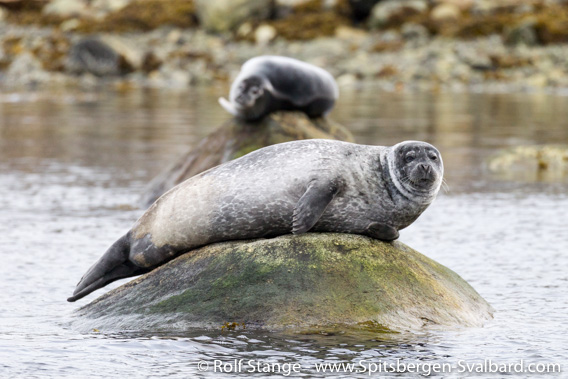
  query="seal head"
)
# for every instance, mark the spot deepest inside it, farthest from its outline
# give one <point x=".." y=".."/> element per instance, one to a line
<point x="249" y="99"/>
<point x="416" y="169"/>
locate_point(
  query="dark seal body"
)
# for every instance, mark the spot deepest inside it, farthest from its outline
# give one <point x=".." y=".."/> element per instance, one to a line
<point x="270" y="83"/>
<point x="293" y="187"/>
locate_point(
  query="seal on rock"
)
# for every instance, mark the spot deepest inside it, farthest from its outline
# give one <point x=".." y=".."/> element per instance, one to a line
<point x="270" y="83"/>
<point x="293" y="187"/>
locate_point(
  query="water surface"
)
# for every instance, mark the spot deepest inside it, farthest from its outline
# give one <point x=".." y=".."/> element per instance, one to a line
<point x="73" y="165"/>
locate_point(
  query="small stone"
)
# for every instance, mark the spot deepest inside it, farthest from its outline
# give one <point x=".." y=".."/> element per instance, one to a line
<point x="290" y="3"/>
<point x="264" y="34"/>
<point x="521" y="34"/>
<point x="69" y="25"/>
<point x="395" y="12"/>
<point x="174" y="36"/>
<point x="26" y="69"/>
<point x="463" y="5"/>
<point x="180" y="79"/>
<point x="66" y="8"/>
<point x="244" y="30"/>
<point x="350" y="34"/>
<point x="538" y="81"/>
<point x="415" y="32"/>
<point x="445" y="13"/>
<point x="347" y="80"/>
<point x="226" y="15"/>
<point x="109" y="6"/>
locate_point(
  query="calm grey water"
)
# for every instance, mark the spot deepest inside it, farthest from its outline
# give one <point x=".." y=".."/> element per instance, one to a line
<point x="72" y="166"/>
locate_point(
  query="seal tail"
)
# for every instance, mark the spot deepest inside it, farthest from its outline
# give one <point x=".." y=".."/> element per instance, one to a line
<point x="228" y="106"/>
<point x="113" y="265"/>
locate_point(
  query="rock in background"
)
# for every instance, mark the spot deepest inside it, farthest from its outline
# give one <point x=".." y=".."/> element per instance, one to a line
<point x="531" y="163"/>
<point x="236" y="138"/>
<point x="292" y="282"/>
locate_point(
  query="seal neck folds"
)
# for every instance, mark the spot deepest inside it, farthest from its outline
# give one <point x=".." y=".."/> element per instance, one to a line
<point x="403" y="184"/>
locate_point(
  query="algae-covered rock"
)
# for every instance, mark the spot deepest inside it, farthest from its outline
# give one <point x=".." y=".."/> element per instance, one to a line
<point x="531" y="163"/>
<point x="236" y="138"/>
<point x="292" y="282"/>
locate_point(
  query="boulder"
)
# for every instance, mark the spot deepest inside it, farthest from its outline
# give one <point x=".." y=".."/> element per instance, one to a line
<point x="531" y="163"/>
<point x="292" y="283"/>
<point x="226" y="15"/>
<point x="236" y="138"/>
<point x="94" y="56"/>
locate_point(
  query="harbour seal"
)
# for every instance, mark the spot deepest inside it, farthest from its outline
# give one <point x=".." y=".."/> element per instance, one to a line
<point x="270" y="83"/>
<point x="293" y="187"/>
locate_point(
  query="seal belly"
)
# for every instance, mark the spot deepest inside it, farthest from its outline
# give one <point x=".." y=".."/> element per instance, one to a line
<point x="219" y="206"/>
<point x="181" y="217"/>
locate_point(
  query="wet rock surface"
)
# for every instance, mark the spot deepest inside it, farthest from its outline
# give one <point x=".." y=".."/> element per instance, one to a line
<point x="292" y="282"/>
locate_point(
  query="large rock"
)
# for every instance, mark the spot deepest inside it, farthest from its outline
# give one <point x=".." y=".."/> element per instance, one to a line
<point x="227" y="15"/>
<point x="236" y="138"/>
<point x="292" y="282"/>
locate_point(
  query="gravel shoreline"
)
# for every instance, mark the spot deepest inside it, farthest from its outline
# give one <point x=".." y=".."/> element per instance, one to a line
<point x="392" y="60"/>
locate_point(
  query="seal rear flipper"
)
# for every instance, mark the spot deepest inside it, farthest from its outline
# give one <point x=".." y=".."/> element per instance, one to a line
<point x="113" y="265"/>
<point x="312" y="204"/>
<point x="381" y="231"/>
<point x="120" y="272"/>
<point x="226" y="104"/>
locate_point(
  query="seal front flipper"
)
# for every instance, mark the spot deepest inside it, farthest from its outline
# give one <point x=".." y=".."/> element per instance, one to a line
<point x="381" y="231"/>
<point x="113" y="265"/>
<point x="312" y="204"/>
<point x="226" y="104"/>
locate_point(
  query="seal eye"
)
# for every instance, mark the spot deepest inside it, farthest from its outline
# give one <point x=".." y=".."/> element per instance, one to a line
<point x="433" y="157"/>
<point x="254" y="91"/>
<point x="409" y="158"/>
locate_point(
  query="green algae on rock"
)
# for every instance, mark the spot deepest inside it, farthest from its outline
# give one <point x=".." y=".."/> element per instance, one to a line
<point x="294" y="283"/>
<point x="531" y="163"/>
<point x="236" y="138"/>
